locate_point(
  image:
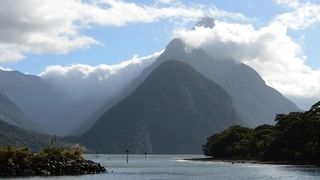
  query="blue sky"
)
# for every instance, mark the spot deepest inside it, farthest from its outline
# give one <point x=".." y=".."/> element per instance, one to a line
<point x="122" y="42"/>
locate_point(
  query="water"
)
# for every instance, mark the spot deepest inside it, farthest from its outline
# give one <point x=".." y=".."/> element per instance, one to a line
<point x="171" y="167"/>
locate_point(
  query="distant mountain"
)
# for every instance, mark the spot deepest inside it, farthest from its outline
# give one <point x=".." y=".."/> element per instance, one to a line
<point x="10" y="113"/>
<point x="33" y="96"/>
<point x="44" y="104"/>
<point x="12" y="135"/>
<point x="172" y="111"/>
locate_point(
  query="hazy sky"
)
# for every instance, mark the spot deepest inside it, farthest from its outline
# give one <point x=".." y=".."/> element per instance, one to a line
<point x="82" y="34"/>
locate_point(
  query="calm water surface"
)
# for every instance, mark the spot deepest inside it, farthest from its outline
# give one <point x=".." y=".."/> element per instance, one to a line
<point x="171" y="167"/>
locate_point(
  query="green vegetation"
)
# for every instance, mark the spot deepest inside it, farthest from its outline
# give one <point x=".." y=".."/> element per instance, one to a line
<point x="9" y="155"/>
<point x="295" y="138"/>
<point x="53" y="151"/>
<point x="51" y="161"/>
<point x="14" y="155"/>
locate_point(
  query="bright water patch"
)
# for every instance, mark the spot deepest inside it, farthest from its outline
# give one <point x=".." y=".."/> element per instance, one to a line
<point x="172" y="167"/>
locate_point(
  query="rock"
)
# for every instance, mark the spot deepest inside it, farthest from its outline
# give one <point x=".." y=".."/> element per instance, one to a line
<point x="54" y="166"/>
<point x="28" y="172"/>
<point x="45" y="172"/>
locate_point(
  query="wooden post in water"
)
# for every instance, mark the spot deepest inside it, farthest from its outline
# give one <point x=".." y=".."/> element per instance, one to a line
<point x="53" y="140"/>
<point x="127" y="151"/>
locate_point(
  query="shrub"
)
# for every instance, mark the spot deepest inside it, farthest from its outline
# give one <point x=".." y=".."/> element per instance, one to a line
<point x="9" y="154"/>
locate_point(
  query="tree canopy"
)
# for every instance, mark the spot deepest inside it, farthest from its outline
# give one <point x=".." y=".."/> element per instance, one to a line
<point x="294" y="137"/>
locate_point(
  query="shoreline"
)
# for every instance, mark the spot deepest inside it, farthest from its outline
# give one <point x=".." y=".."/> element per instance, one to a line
<point x="251" y="161"/>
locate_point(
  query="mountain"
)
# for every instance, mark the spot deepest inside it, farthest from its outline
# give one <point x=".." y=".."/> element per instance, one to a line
<point x="12" y="135"/>
<point x="205" y="22"/>
<point x="39" y="102"/>
<point x="172" y="111"/>
<point x="45" y="104"/>
<point x="10" y="113"/>
<point x="256" y="102"/>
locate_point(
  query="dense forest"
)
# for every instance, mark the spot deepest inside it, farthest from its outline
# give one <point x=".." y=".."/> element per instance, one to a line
<point x="295" y="138"/>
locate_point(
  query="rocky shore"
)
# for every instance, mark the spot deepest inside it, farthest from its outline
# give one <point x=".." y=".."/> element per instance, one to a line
<point x="55" y="166"/>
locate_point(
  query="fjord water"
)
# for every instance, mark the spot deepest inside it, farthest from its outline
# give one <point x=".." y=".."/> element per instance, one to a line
<point x="172" y="167"/>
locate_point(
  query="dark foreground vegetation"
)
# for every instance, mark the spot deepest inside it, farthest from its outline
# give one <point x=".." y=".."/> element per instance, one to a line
<point x="295" y="139"/>
<point x="52" y="161"/>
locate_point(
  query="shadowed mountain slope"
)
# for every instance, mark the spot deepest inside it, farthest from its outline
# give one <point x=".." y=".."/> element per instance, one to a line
<point x="172" y="111"/>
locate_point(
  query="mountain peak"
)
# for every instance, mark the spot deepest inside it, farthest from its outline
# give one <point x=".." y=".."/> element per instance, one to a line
<point x="174" y="99"/>
<point x="206" y="22"/>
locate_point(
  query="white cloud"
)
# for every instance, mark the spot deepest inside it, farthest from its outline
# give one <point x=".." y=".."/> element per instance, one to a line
<point x="303" y="15"/>
<point x="81" y="81"/>
<point x="269" y="50"/>
<point x="290" y="3"/>
<point x="9" y="55"/>
<point x="54" y="26"/>
<point x="5" y="69"/>
<point x="166" y="1"/>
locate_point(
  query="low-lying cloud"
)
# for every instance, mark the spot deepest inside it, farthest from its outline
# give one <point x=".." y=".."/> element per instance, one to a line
<point x="79" y="81"/>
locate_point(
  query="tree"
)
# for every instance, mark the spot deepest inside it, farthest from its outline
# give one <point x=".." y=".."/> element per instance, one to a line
<point x="295" y="137"/>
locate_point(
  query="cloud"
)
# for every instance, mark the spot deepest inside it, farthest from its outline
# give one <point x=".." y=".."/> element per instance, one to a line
<point x="5" y="69"/>
<point x="55" y="26"/>
<point x="303" y="15"/>
<point x="9" y="55"/>
<point x="269" y="50"/>
<point x="290" y="3"/>
<point x="79" y="81"/>
<point x="166" y="1"/>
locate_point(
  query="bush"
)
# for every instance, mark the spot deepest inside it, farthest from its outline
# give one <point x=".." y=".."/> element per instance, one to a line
<point x="53" y="151"/>
<point x="9" y="154"/>
<point x="15" y="155"/>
